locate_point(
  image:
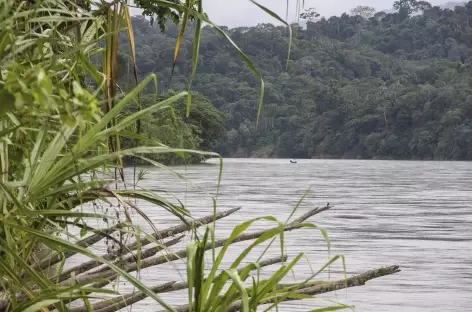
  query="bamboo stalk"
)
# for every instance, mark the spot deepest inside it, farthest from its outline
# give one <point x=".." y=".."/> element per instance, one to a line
<point x="87" y="266"/>
<point x="121" y="302"/>
<point x="149" y="262"/>
<point x="358" y="280"/>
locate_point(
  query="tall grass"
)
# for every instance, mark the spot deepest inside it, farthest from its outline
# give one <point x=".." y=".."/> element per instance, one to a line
<point x="60" y="140"/>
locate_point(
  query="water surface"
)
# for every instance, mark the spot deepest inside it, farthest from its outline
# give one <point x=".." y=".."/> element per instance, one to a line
<point x="414" y="214"/>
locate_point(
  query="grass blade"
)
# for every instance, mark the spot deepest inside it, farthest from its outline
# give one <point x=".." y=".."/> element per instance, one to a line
<point x="188" y="4"/>
<point x="56" y="241"/>
<point x="195" y="54"/>
<point x="274" y="15"/>
<point x="233" y="274"/>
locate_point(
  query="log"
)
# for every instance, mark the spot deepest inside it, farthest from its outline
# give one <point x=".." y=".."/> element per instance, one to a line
<point x="92" y="264"/>
<point x="310" y="214"/>
<point x="183" y="228"/>
<point x="355" y="281"/>
<point x="358" y="280"/>
<point x="149" y="262"/>
<point x="86" y="242"/>
<point x="121" y="302"/>
<point x="144" y="253"/>
<point x="178" y="229"/>
<point x="152" y="251"/>
<point x="109" y="275"/>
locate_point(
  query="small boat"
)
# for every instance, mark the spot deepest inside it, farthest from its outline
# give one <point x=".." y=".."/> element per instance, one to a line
<point x="293" y="161"/>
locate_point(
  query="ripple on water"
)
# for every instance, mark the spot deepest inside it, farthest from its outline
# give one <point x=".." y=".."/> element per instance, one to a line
<point x="415" y="214"/>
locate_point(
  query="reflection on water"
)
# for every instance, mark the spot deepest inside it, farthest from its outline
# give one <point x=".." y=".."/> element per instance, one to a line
<point x="415" y="214"/>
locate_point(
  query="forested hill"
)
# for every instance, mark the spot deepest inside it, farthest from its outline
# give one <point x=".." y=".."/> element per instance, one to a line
<point x="372" y="85"/>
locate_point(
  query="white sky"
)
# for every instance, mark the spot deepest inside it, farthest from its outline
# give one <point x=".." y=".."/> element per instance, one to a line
<point x="235" y="13"/>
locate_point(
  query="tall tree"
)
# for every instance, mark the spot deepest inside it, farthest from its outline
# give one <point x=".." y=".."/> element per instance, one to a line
<point x="363" y="11"/>
<point x="405" y="7"/>
<point x="354" y="87"/>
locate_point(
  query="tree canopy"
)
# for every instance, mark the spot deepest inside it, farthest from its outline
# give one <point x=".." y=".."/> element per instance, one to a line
<point x="384" y="85"/>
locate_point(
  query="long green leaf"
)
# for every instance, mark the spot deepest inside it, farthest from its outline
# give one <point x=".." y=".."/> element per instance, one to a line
<point x="218" y="283"/>
<point x="204" y="18"/>
<point x="125" y="122"/>
<point x="180" y="37"/>
<point x="117" y="109"/>
<point x="38" y="305"/>
<point x="49" y="157"/>
<point x="195" y="54"/>
<point x="129" y="28"/>
<point x="191" y="271"/>
<point x="334" y="308"/>
<point x="233" y="274"/>
<point x="65" y="213"/>
<point x="56" y="241"/>
<point x="274" y="15"/>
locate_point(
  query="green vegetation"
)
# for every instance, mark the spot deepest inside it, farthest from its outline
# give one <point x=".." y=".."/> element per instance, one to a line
<point x="66" y="127"/>
<point x="203" y="129"/>
<point x="371" y="85"/>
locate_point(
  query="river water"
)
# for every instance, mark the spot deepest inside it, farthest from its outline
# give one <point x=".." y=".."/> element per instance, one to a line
<point x="414" y="214"/>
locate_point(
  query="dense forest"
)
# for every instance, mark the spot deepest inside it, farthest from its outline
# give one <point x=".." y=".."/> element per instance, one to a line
<point x="361" y="85"/>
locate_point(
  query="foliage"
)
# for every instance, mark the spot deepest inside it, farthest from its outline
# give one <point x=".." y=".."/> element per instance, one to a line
<point x="202" y="130"/>
<point x="382" y="87"/>
<point x="207" y="122"/>
<point x="365" y="12"/>
<point x="53" y="136"/>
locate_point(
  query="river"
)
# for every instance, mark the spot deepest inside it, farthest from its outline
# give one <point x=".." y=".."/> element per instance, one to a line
<point x="414" y="214"/>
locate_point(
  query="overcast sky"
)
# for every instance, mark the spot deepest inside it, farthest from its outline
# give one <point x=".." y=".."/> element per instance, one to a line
<point x="235" y="13"/>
